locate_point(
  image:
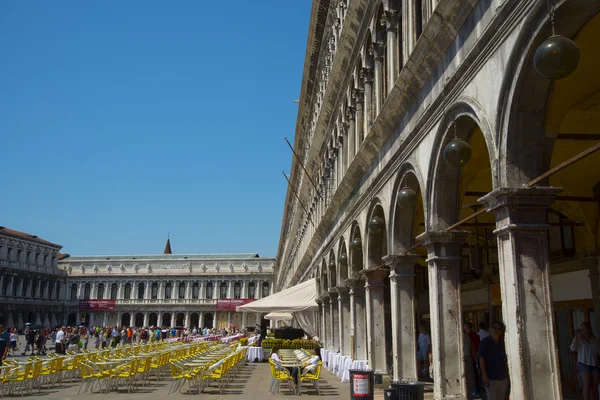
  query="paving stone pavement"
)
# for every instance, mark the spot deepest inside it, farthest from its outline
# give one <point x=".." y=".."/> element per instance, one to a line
<point x="252" y="383"/>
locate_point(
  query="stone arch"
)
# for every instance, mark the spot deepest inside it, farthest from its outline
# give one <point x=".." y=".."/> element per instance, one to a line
<point x="402" y="221"/>
<point x="467" y="115"/>
<point x="195" y="320"/>
<point x="342" y="265"/>
<point x="376" y="242"/>
<point x="324" y="277"/>
<point x="356" y="251"/>
<point x="166" y="319"/>
<point x="525" y="148"/>
<point x="332" y="270"/>
<point x="139" y="320"/>
<point x="125" y="319"/>
<point x="153" y="319"/>
<point x="209" y="319"/>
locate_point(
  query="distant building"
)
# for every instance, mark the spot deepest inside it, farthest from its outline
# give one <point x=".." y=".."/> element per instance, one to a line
<point x="191" y="290"/>
<point x="31" y="284"/>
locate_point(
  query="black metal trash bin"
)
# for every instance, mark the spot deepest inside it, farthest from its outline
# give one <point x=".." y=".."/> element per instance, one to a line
<point x="390" y="394"/>
<point x="409" y="390"/>
<point x="362" y="384"/>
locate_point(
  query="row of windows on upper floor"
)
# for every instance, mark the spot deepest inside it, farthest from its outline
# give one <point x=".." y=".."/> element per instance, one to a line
<point x="27" y="256"/>
<point x="11" y="286"/>
<point x="372" y="80"/>
<point x="169" y="290"/>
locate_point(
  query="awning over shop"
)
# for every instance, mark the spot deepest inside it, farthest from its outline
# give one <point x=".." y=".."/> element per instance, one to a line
<point x="279" y="316"/>
<point x="301" y="297"/>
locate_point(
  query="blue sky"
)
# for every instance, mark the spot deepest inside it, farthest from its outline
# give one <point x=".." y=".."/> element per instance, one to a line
<point x="123" y="121"/>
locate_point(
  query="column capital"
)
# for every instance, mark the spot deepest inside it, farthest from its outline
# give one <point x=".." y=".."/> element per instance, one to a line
<point x="343" y="292"/>
<point x="374" y="277"/>
<point x="389" y="19"/>
<point x="398" y="262"/>
<point x="443" y="247"/>
<point x="376" y="49"/>
<point x="358" y="95"/>
<point x="356" y="287"/>
<point x="366" y="73"/>
<point x="520" y="207"/>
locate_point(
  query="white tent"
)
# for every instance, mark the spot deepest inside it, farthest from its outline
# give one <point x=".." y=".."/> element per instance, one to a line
<point x="301" y="297"/>
<point x="277" y="316"/>
<point x="299" y="300"/>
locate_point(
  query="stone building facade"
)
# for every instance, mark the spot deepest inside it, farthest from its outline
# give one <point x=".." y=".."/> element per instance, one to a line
<point x="190" y="290"/>
<point x="398" y="236"/>
<point x="31" y="284"/>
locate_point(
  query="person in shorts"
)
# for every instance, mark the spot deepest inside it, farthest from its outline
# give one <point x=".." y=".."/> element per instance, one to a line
<point x="14" y="337"/>
<point x="588" y="348"/>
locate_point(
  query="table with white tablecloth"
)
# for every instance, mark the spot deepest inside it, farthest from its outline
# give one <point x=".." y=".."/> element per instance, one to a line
<point x="228" y="339"/>
<point x="356" y="364"/>
<point x="254" y="353"/>
<point x="339" y="364"/>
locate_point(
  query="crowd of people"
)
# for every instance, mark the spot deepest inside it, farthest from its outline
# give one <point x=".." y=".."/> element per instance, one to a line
<point x="73" y="339"/>
<point x="485" y="359"/>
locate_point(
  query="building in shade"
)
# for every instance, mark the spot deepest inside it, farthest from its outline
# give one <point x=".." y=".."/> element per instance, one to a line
<point x="31" y="283"/>
<point x="421" y="194"/>
<point x="189" y="290"/>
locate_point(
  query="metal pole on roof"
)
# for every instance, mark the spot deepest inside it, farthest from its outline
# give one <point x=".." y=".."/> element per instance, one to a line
<point x="302" y="165"/>
<point x="298" y="197"/>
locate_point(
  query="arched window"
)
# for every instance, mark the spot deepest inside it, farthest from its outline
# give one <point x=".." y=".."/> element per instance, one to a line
<point x="265" y="289"/>
<point x="141" y="288"/>
<point x="127" y="294"/>
<point x="50" y="289"/>
<point x="33" y="286"/>
<point x="223" y="290"/>
<point x="418" y="19"/>
<point x="113" y="291"/>
<point x="100" y="291"/>
<point x="42" y="288"/>
<point x="168" y="290"/>
<point x="237" y="290"/>
<point x="154" y="291"/>
<point x="25" y="287"/>
<point x="182" y="290"/>
<point x="195" y="290"/>
<point x="86" y="291"/>
<point x="15" y="284"/>
<point x="74" y="291"/>
<point x="251" y="290"/>
<point x="57" y="290"/>
<point x="209" y="290"/>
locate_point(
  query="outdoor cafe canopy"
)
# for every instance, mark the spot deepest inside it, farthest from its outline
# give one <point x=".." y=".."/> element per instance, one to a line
<point x="301" y="297"/>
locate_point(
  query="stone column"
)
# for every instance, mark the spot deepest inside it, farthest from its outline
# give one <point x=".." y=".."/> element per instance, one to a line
<point x="228" y="318"/>
<point x="187" y="319"/>
<point x="325" y="321"/>
<point x="408" y="28"/>
<point x="358" y="325"/>
<point x="390" y="21"/>
<point x="367" y="75"/>
<point x="445" y="273"/>
<point x="377" y="50"/>
<point x="173" y="318"/>
<point x="344" y="320"/>
<point x="522" y="232"/>
<point x="358" y="97"/>
<point x="334" y="321"/>
<point x="374" y="293"/>
<point x="258" y="320"/>
<point x="104" y="318"/>
<point x="202" y="290"/>
<point x="230" y="289"/>
<point x="402" y="297"/>
<point x="145" y="319"/>
<point x="200" y="321"/>
<point x="10" y="286"/>
<point x="243" y="320"/>
<point x="351" y="147"/>
<point x="20" y="288"/>
<point x="131" y="318"/>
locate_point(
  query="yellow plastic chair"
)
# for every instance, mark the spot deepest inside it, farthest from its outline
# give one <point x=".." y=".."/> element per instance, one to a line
<point x="313" y="377"/>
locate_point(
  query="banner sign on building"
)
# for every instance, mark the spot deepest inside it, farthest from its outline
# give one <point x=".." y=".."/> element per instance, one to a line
<point x="231" y="304"/>
<point x="97" y="305"/>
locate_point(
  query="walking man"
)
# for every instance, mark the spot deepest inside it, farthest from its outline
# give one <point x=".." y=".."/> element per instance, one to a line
<point x="494" y="371"/>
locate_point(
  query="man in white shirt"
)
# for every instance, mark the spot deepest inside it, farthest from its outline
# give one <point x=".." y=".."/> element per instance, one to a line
<point x="483" y="332"/>
<point x="60" y="346"/>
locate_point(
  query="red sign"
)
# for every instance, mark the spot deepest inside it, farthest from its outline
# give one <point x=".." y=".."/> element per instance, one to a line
<point x="97" y="305"/>
<point x="361" y="385"/>
<point x="231" y="304"/>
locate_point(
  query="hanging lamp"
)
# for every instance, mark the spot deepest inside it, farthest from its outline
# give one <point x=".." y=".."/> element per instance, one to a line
<point x="558" y="56"/>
